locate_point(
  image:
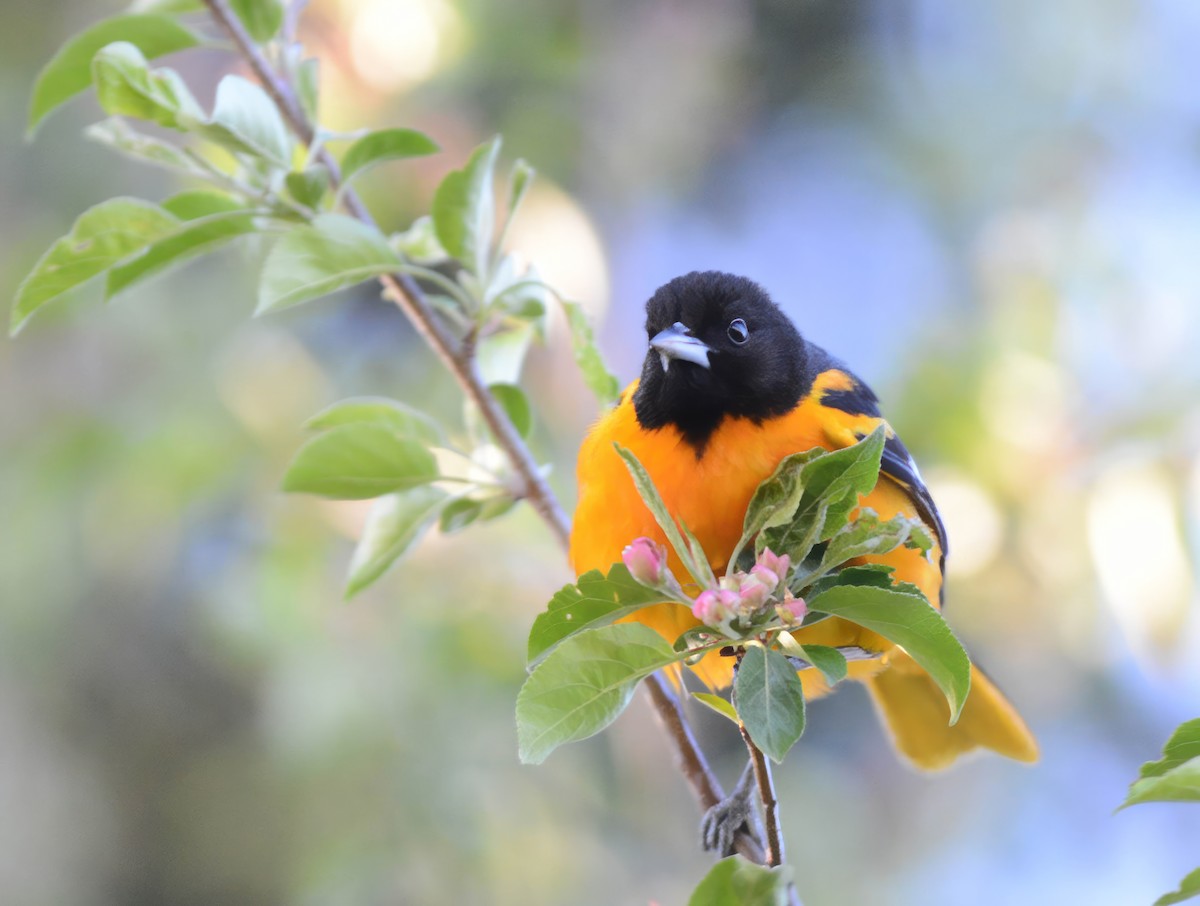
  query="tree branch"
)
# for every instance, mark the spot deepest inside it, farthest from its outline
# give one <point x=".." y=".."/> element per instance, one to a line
<point x="459" y="361"/>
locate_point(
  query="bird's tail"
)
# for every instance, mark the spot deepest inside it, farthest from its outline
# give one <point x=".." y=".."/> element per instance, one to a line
<point x="915" y="711"/>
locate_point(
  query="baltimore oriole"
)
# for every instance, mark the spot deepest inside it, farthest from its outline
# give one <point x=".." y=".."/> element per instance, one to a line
<point x="729" y="388"/>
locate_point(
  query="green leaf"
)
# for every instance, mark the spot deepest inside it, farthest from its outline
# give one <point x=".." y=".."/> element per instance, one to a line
<point x="332" y="253"/>
<point x="100" y="237"/>
<point x="117" y="134"/>
<point x="308" y="83"/>
<point x="718" y="704"/>
<point x="867" y="535"/>
<point x="1189" y="887"/>
<point x="875" y="574"/>
<point x="126" y="86"/>
<point x="769" y="700"/>
<point x="501" y="355"/>
<point x="419" y="243"/>
<point x="462" y="512"/>
<point x="658" y="509"/>
<point x="464" y="210"/>
<point x="911" y="622"/>
<point x="392" y="414"/>
<point x="594" y="600"/>
<point x="262" y="18"/>
<point x="1180" y="783"/>
<point x="736" y="881"/>
<point x="383" y="145"/>
<point x="308" y="186"/>
<point x="70" y="70"/>
<point x="196" y="203"/>
<point x="1184" y="745"/>
<point x="358" y="461"/>
<point x="603" y="384"/>
<point x="776" y="498"/>
<point x="394" y="524"/>
<point x="515" y="403"/>
<point x="518" y="184"/>
<point x="584" y="684"/>
<point x="193" y="238"/>
<point x="246" y="120"/>
<point x="830" y="661"/>
<point x="832" y="483"/>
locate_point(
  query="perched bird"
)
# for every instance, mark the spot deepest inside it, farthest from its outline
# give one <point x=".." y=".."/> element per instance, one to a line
<point x="729" y="387"/>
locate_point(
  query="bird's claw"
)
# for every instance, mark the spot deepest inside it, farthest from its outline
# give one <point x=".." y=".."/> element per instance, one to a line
<point x="734" y="814"/>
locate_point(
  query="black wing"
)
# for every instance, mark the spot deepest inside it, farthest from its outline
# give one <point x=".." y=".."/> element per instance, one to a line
<point x="897" y="463"/>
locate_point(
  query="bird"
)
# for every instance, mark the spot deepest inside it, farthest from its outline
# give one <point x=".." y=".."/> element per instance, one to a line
<point x="728" y="388"/>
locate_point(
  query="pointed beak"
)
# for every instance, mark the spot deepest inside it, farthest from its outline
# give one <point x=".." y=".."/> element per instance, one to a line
<point x="674" y="343"/>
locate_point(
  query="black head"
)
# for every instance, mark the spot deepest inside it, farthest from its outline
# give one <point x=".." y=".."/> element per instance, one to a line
<point x="719" y="348"/>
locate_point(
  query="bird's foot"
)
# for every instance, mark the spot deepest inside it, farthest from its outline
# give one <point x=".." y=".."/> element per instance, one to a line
<point x="735" y="813"/>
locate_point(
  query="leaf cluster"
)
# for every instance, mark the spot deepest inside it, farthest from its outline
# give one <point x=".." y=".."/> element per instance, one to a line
<point x="258" y="172"/>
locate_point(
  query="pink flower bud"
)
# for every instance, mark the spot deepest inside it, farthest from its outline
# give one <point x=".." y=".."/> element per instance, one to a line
<point x="646" y="561"/>
<point x="792" y="610"/>
<point x="771" y="569"/>
<point x="753" y="592"/>
<point x="714" y="605"/>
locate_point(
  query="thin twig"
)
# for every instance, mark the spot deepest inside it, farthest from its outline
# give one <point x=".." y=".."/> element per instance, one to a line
<point x="765" y="782"/>
<point x="459" y="360"/>
<point x="766" y="795"/>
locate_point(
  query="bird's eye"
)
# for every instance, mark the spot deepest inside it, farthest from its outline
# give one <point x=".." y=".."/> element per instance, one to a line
<point x="738" y="331"/>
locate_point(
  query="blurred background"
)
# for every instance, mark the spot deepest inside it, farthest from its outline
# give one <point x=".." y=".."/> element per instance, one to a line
<point x="991" y="210"/>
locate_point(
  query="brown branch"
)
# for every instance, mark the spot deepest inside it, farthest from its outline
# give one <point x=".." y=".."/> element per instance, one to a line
<point x="459" y="361"/>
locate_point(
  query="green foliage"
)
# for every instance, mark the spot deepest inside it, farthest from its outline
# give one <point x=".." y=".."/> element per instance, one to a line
<point x="1176" y="776"/>
<point x="1189" y="887"/>
<point x="332" y="253"/>
<point x="736" y="881"/>
<point x="308" y="186"/>
<point x="584" y="684"/>
<point x="262" y="18"/>
<point x="384" y="145"/>
<point x="515" y="403"/>
<point x="402" y="419"/>
<point x="832" y="483"/>
<point x="1183" y="746"/>
<point x="464" y="211"/>
<point x="210" y="220"/>
<point x="769" y="700"/>
<point x="696" y="565"/>
<point x="70" y="71"/>
<point x="830" y="661"/>
<point x="358" y="461"/>
<point x="1173" y="778"/>
<point x="104" y="235"/>
<point x="721" y="706"/>
<point x="906" y="618"/>
<point x="594" y="600"/>
<point x="394" y="524"/>
<point x="596" y="375"/>
<point x="126" y="86"/>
